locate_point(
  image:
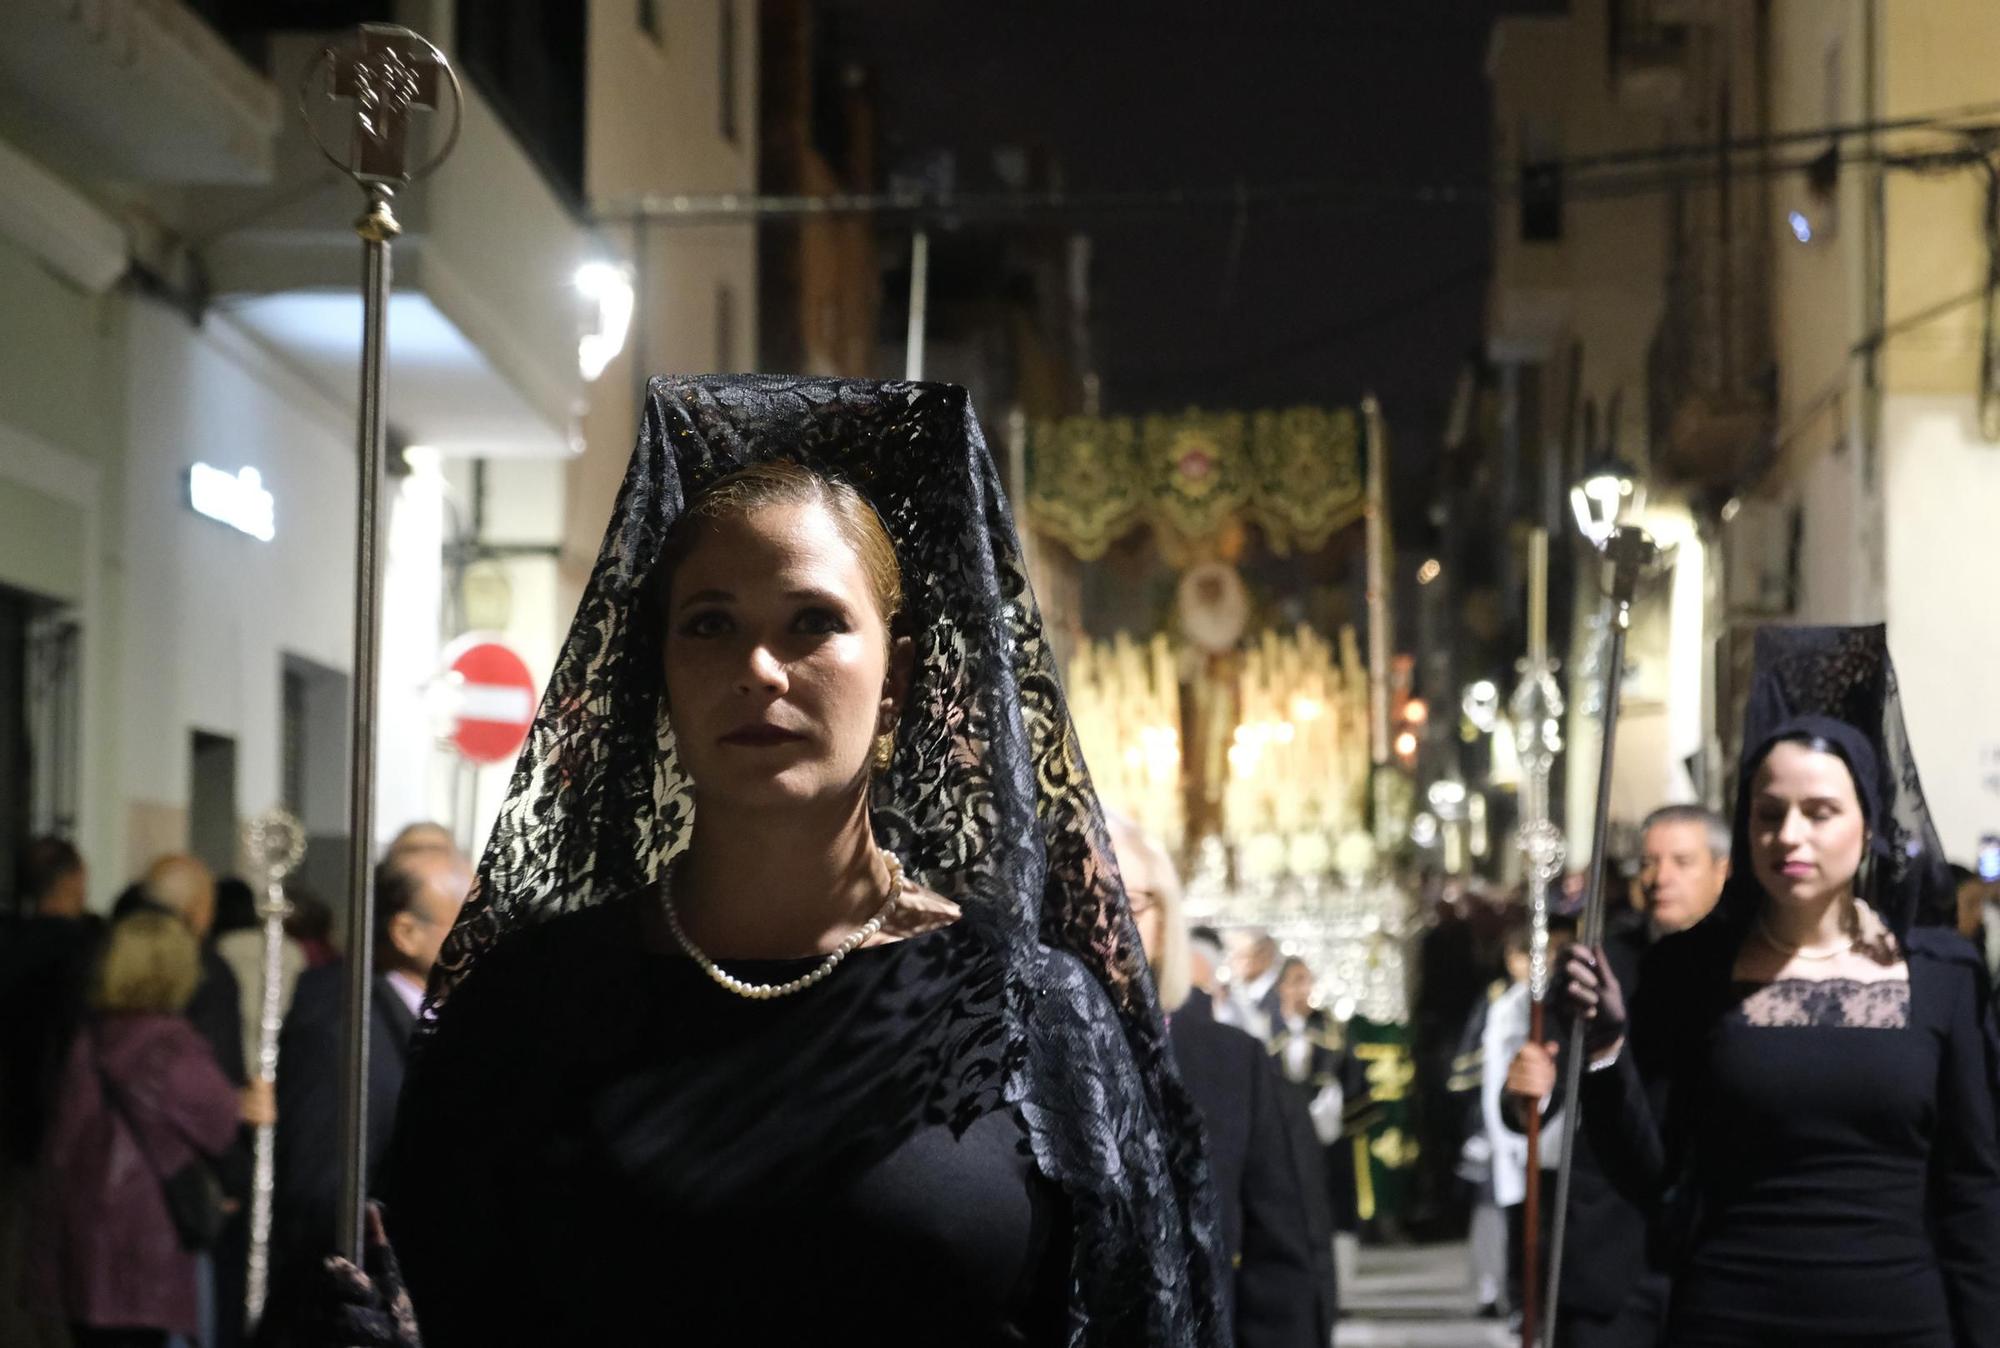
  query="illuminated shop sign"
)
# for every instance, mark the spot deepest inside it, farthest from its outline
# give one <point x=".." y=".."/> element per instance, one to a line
<point x="238" y="500"/>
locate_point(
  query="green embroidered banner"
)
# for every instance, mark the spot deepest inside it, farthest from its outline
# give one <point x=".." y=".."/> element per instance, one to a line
<point x="1294" y="473"/>
<point x="1385" y="1152"/>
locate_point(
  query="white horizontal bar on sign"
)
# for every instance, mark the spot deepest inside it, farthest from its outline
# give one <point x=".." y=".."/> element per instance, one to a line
<point x="495" y="702"/>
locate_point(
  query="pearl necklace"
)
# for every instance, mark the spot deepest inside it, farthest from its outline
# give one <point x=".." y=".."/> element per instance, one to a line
<point x="761" y="992"/>
<point x="1799" y="951"/>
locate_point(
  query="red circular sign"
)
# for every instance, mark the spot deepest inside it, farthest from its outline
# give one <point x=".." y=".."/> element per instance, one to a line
<point x="496" y="700"/>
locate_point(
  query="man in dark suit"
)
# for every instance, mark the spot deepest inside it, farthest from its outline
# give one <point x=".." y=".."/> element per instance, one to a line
<point x="1258" y="1134"/>
<point x="1612" y="1296"/>
<point x="418" y="894"/>
<point x="1252" y="1004"/>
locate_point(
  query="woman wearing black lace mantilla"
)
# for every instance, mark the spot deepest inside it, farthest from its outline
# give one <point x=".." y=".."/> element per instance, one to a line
<point x="1805" y="1083"/>
<point x="799" y="999"/>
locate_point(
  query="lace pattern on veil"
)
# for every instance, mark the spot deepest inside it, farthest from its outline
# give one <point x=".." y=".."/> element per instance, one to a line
<point x="987" y="801"/>
<point x="1845" y="674"/>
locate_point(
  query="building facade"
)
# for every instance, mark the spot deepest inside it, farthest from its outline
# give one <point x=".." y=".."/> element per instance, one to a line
<point x="674" y="87"/>
<point x="1886" y="463"/>
<point x="1593" y="267"/>
<point x="1775" y="243"/>
<point x="178" y="357"/>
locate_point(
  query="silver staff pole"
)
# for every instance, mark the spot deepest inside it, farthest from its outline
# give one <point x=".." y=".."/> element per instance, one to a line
<point x="1630" y="553"/>
<point x="920" y="289"/>
<point x="376" y="81"/>
<point x="276" y="842"/>
<point x="1537" y="710"/>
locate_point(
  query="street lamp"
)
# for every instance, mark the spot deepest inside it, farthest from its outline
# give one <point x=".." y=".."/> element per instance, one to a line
<point x="1606" y="494"/>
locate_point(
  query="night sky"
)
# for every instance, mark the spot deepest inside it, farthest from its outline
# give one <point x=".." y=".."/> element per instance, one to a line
<point x="1275" y="306"/>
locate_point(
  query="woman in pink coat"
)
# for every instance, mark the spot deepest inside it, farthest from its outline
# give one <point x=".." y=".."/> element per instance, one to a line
<point x="140" y="1099"/>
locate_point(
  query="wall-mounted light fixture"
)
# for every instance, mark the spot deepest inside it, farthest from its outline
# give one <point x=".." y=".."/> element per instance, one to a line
<point x="607" y="288"/>
<point x="238" y="500"/>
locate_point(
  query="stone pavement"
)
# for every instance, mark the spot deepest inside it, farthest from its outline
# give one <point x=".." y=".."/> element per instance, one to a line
<point x="1415" y="1297"/>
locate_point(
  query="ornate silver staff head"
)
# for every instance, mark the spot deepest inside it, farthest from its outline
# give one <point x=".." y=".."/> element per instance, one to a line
<point x="382" y="76"/>
<point x="1536" y="709"/>
<point x="276" y="842"/>
<point x="1536" y="713"/>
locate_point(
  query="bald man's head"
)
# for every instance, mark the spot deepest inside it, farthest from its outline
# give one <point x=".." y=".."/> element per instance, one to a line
<point x="1254" y="954"/>
<point x="185" y="887"/>
<point x="420" y="837"/>
<point x="418" y="895"/>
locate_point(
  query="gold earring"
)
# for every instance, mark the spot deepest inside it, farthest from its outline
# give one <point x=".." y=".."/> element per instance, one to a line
<point x="885" y="753"/>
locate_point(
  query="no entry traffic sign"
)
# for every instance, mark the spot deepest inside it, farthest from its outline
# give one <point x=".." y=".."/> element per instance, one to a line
<point x="495" y="698"/>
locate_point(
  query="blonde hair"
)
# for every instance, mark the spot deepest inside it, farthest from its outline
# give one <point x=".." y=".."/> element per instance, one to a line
<point x="151" y="962"/>
<point x="783" y="483"/>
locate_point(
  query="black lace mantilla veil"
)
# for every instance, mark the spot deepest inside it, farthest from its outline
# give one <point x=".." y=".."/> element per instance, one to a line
<point x="1844" y="674"/>
<point x="987" y="801"/>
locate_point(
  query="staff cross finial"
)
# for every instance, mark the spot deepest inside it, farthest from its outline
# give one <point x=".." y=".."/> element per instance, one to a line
<point x="390" y="75"/>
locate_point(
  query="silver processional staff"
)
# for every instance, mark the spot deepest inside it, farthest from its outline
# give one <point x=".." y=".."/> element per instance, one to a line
<point x="275" y="842"/>
<point x="375" y="82"/>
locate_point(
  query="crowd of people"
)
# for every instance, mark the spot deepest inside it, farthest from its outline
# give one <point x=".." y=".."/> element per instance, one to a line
<point x="127" y="1049"/>
<point x="1610" y="1296"/>
<point x="1790" y="1069"/>
<point x="127" y="1041"/>
<point x="809" y="992"/>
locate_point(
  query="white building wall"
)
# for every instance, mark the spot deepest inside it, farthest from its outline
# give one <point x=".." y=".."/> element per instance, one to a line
<point x="1839" y="546"/>
<point x="61" y="395"/>
<point x="1942" y="485"/>
<point x="45" y="485"/>
<point x="407" y="730"/>
<point x="655" y="126"/>
<point x="1894" y="539"/>
<point x="207" y="613"/>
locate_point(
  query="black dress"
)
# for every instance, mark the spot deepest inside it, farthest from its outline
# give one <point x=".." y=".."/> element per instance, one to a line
<point x="602" y="1146"/>
<point x="1830" y="1159"/>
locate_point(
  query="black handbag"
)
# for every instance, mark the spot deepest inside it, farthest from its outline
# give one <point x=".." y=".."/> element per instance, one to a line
<point x="197" y="1203"/>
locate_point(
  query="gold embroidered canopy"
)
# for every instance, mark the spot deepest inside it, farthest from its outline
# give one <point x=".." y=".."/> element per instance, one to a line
<point x="1295" y="473"/>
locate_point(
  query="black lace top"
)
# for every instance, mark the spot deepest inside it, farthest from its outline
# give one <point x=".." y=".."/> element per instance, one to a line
<point x="1828" y="1163"/>
<point x="1827" y="1003"/>
<point x="674" y="1164"/>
